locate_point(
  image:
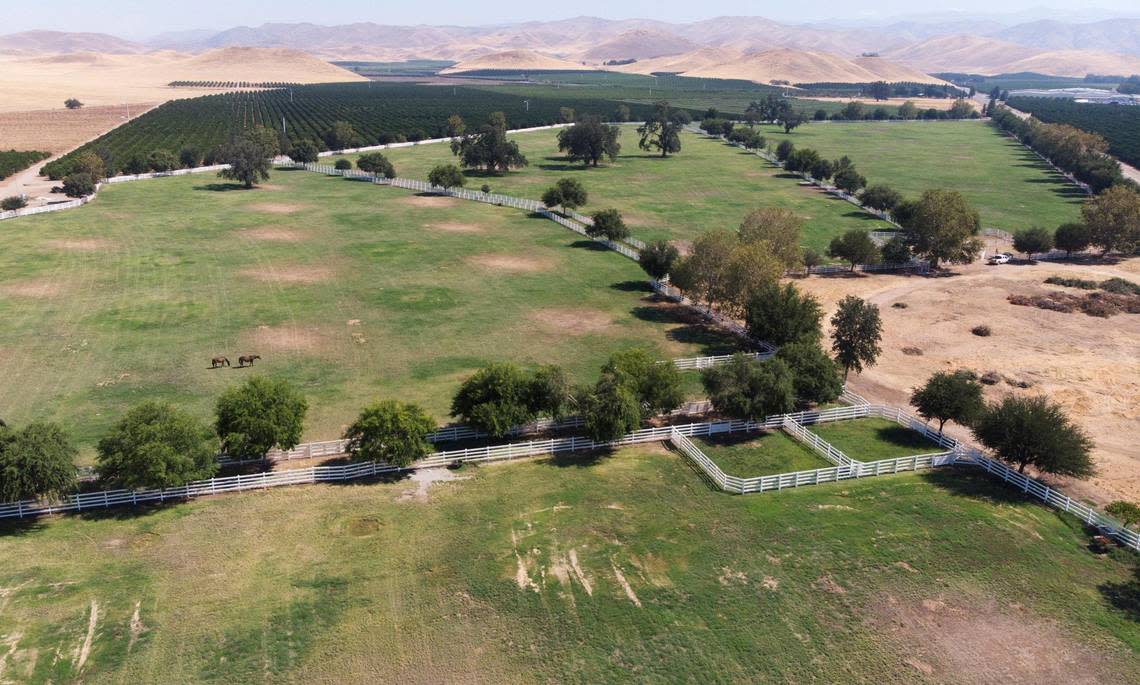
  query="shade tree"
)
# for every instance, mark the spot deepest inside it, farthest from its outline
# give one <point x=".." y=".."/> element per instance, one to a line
<point x="156" y="445"/>
<point x="854" y="246"/>
<point x="949" y="396"/>
<point x="259" y="415"/>
<point x="608" y="224"/>
<point x="658" y="258"/>
<point x="1033" y="431"/>
<point x="781" y="314"/>
<point x="392" y="432"/>
<point x="749" y="389"/>
<point x="36" y="461"/>
<point x="856" y="331"/>
<point x="662" y="129"/>
<point x="589" y="141"/>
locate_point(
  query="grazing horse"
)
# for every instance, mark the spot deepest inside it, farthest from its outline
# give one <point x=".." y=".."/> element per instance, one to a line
<point x="247" y="360"/>
<point x="219" y="361"/>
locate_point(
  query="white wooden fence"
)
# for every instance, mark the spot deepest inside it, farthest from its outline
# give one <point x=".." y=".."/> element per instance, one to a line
<point x="476" y="196"/>
<point x="163" y="174"/>
<point x="677" y="435"/>
<point x="44" y="209"/>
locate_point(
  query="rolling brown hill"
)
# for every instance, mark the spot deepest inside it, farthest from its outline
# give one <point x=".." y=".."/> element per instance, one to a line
<point x="638" y="44"/>
<point x="806" y="66"/>
<point x="979" y="55"/>
<point x="512" y="60"/>
<point x="40" y="42"/>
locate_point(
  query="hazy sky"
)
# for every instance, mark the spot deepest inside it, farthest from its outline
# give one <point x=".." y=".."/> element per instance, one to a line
<point x="140" y="18"/>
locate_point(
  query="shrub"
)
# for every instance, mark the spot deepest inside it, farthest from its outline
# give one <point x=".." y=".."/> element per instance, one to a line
<point x="156" y="446"/>
<point x="896" y="251"/>
<point x="900" y="305"/>
<point x="485" y="188"/>
<point x="79" y="185"/>
<point x="392" y="432"/>
<point x="1124" y="511"/>
<point x="342" y="165"/>
<point x="72" y="103"/>
<point x="259" y="415"/>
<point x="14" y="202"/>
<point x="1120" y="286"/>
<point x="1072" y="282"/>
<point x="981" y="331"/>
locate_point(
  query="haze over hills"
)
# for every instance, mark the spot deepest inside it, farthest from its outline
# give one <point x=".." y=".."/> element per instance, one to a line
<point x="978" y="55"/>
<point x="955" y="43"/>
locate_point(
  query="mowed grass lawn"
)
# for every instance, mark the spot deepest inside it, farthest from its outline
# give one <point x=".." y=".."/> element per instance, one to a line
<point x="618" y="568"/>
<point x="349" y="290"/>
<point x="708" y="185"/>
<point x="747" y="455"/>
<point x="871" y="439"/>
<point x="1009" y="186"/>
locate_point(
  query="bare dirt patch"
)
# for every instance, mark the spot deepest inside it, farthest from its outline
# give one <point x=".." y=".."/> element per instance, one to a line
<point x="291" y="274"/>
<point x="429" y="201"/>
<point x="512" y="263"/>
<point x="32" y="289"/>
<point x="1087" y="364"/>
<point x="274" y="234"/>
<point x="81" y="244"/>
<point x="286" y="338"/>
<point x="277" y="207"/>
<point x="424" y="479"/>
<point x="571" y="320"/>
<point x="982" y="642"/>
<point x="455" y="227"/>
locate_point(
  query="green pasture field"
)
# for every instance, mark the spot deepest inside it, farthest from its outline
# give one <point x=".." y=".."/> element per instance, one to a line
<point x="513" y="576"/>
<point x="747" y="455"/>
<point x="350" y="290"/>
<point x="708" y="185"/>
<point x="1009" y="186"/>
<point x="872" y="439"/>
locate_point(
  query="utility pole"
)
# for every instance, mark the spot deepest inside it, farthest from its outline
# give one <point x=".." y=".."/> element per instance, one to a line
<point x="527" y="103"/>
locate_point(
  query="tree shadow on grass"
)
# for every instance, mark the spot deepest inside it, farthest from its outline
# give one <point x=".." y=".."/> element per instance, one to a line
<point x="18" y="527"/>
<point x="632" y="287"/>
<point x="903" y="437"/>
<point x="1124" y="595"/>
<point x="580" y="460"/>
<point x="969" y="482"/>
<point x="692" y="329"/>
<point x="590" y="245"/>
<point x="222" y="187"/>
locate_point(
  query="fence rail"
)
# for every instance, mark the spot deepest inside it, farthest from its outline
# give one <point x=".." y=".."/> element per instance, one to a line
<point x="677" y="435"/>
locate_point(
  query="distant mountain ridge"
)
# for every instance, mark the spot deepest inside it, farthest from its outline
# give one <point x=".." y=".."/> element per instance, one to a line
<point x="594" y="40"/>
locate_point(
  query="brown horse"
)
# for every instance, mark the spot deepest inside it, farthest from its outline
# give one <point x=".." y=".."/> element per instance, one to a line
<point x="219" y="361"/>
<point x="247" y="360"/>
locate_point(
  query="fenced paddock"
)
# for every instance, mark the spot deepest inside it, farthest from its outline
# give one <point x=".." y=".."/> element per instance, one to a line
<point x="678" y="435"/>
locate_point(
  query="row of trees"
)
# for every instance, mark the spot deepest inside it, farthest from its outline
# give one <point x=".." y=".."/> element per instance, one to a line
<point x="1111" y="221"/>
<point x="1024" y="431"/>
<point x="1078" y="152"/>
<point x="155" y="445"/>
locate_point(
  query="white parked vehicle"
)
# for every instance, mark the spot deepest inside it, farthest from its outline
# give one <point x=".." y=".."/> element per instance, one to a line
<point x="1001" y="258"/>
